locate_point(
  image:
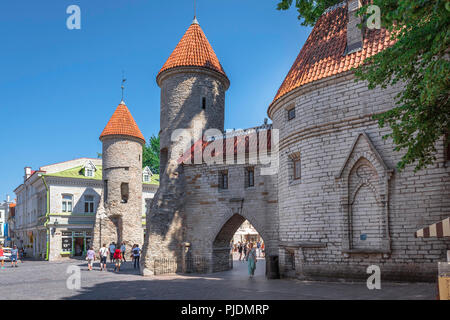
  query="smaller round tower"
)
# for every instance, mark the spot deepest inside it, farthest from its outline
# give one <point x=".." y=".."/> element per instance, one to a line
<point x="119" y="218"/>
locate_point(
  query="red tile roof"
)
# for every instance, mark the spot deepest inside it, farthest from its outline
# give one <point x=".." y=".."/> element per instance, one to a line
<point x="122" y="123"/>
<point x="322" y="54"/>
<point x="193" y="50"/>
<point x="230" y="146"/>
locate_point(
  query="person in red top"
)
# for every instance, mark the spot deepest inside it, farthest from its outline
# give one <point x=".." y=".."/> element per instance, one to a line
<point x="1" y="256"/>
<point x="117" y="257"/>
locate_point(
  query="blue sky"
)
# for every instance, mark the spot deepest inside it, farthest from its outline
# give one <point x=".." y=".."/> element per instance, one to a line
<point x="59" y="87"/>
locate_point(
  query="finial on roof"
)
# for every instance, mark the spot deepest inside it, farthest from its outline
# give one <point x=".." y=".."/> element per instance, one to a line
<point x="195" y="14"/>
<point x="123" y="87"/>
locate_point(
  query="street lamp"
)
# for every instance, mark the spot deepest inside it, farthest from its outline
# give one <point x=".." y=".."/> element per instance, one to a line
<point x="55" y="225"/>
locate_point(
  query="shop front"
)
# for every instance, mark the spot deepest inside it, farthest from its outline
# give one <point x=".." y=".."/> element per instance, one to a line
<point x="75" y="243"/>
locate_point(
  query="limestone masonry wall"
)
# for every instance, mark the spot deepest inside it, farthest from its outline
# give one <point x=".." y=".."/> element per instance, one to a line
<point x="360" y="217"/>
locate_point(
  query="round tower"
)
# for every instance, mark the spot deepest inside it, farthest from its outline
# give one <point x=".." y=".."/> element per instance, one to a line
<point x="193" y="85"/>
<point x="121" y="219"/>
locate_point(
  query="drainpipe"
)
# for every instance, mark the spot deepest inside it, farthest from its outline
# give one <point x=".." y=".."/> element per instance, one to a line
<point x="47" y="218"/>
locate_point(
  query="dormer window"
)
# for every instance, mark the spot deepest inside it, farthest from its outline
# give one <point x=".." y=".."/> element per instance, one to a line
<point x="89" y="169"/>
<point x="146" y="174"/>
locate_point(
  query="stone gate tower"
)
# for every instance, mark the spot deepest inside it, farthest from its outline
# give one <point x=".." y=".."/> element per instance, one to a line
<point x="193" y="85"/>
<point x="119" y="217"/>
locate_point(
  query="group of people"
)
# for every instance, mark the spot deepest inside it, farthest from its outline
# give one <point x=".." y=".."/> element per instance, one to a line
<point x="14" y="256"/>
<point x="251" y="252"/>
<point x="242" y="248"/>
<point x="116" y="255"/>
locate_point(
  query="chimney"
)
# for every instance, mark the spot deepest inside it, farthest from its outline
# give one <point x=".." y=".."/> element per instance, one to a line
<point x="354" y="34"/>
<point x="27" y="173"/>
<point x="7" y="198"/>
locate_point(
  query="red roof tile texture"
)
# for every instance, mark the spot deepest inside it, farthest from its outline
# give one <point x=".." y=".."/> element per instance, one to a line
<point x="231" y="146"/>
<point x="193" y="50"/>
<point x="122" y="123"/>
<point x="323" y="52"/>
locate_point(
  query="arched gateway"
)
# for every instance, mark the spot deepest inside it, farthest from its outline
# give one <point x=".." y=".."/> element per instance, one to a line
<point x="200" y="205"/>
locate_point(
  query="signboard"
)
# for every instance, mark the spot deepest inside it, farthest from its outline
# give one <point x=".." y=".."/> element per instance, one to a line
<point x="67" y="244"/>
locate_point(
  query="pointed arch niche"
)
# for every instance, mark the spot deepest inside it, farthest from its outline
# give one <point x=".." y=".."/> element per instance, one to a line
<point x="364" y="199"/>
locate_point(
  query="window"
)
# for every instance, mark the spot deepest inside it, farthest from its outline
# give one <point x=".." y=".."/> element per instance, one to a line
<point x="146" y="177"/>
<point x="203" y="103"/>
<point x="297" y="168"/>
<point x="88" y="169"/>
<point x="89" y="172"/>
<point x="223" y="180"/>
<point x="89" y="204"/>
<point x="124" y="192"/>
<point x="250" y="177"/>
<point x="291" y="113"/>
<point x="67" y="202"/>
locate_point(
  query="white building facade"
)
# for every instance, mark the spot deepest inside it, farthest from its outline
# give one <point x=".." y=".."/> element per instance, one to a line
<point x="57" y="205"/>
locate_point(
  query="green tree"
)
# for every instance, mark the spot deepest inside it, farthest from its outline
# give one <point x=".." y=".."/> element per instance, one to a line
<point x="150" y="154"/>
<point x="419" y="59"/>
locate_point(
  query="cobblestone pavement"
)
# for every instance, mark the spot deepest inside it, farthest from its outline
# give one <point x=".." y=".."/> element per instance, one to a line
<point x="47" y="280"/>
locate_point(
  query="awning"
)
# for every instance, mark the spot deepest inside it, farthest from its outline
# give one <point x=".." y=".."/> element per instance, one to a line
<point x="439" y="230"/>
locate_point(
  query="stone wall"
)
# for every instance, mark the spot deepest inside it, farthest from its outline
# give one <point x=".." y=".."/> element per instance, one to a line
<point x="213" y="215"/>
<point x="334" y="133"/>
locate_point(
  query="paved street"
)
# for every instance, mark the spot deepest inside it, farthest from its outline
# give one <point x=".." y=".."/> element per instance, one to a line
<point x="44" y="280"/>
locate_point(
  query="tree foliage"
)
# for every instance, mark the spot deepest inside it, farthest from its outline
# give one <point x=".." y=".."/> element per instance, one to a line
<point x="150" y="154"/>
<point x="419" y="60"/>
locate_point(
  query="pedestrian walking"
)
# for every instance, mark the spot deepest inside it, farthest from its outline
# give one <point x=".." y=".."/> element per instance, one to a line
<point x="251" y="260"/>
<point x="258" y="248"/>
<point x="112" y="249"/>
<point x="103" y="253"/>
<point x="245" y="251"/>
<point x="123" y="248"/>
<point x="14" y="255"/>
<point x="263" y="249"/>
<point x="136" y="255"/>
<point x="2" y="258"/>
<point x="240" y="250"/>
<point x="22" y="254"/>
<point x="90" y="257"/>
<point x="117" y="258"/>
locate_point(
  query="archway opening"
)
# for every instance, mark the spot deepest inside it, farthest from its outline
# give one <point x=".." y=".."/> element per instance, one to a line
<point x="232" y="243"/>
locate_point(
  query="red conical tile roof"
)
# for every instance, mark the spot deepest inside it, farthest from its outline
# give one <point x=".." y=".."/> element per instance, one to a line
<point x="122" y="123"/>
<point x="323" y="55"/>
<point x="193" y="50"/>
